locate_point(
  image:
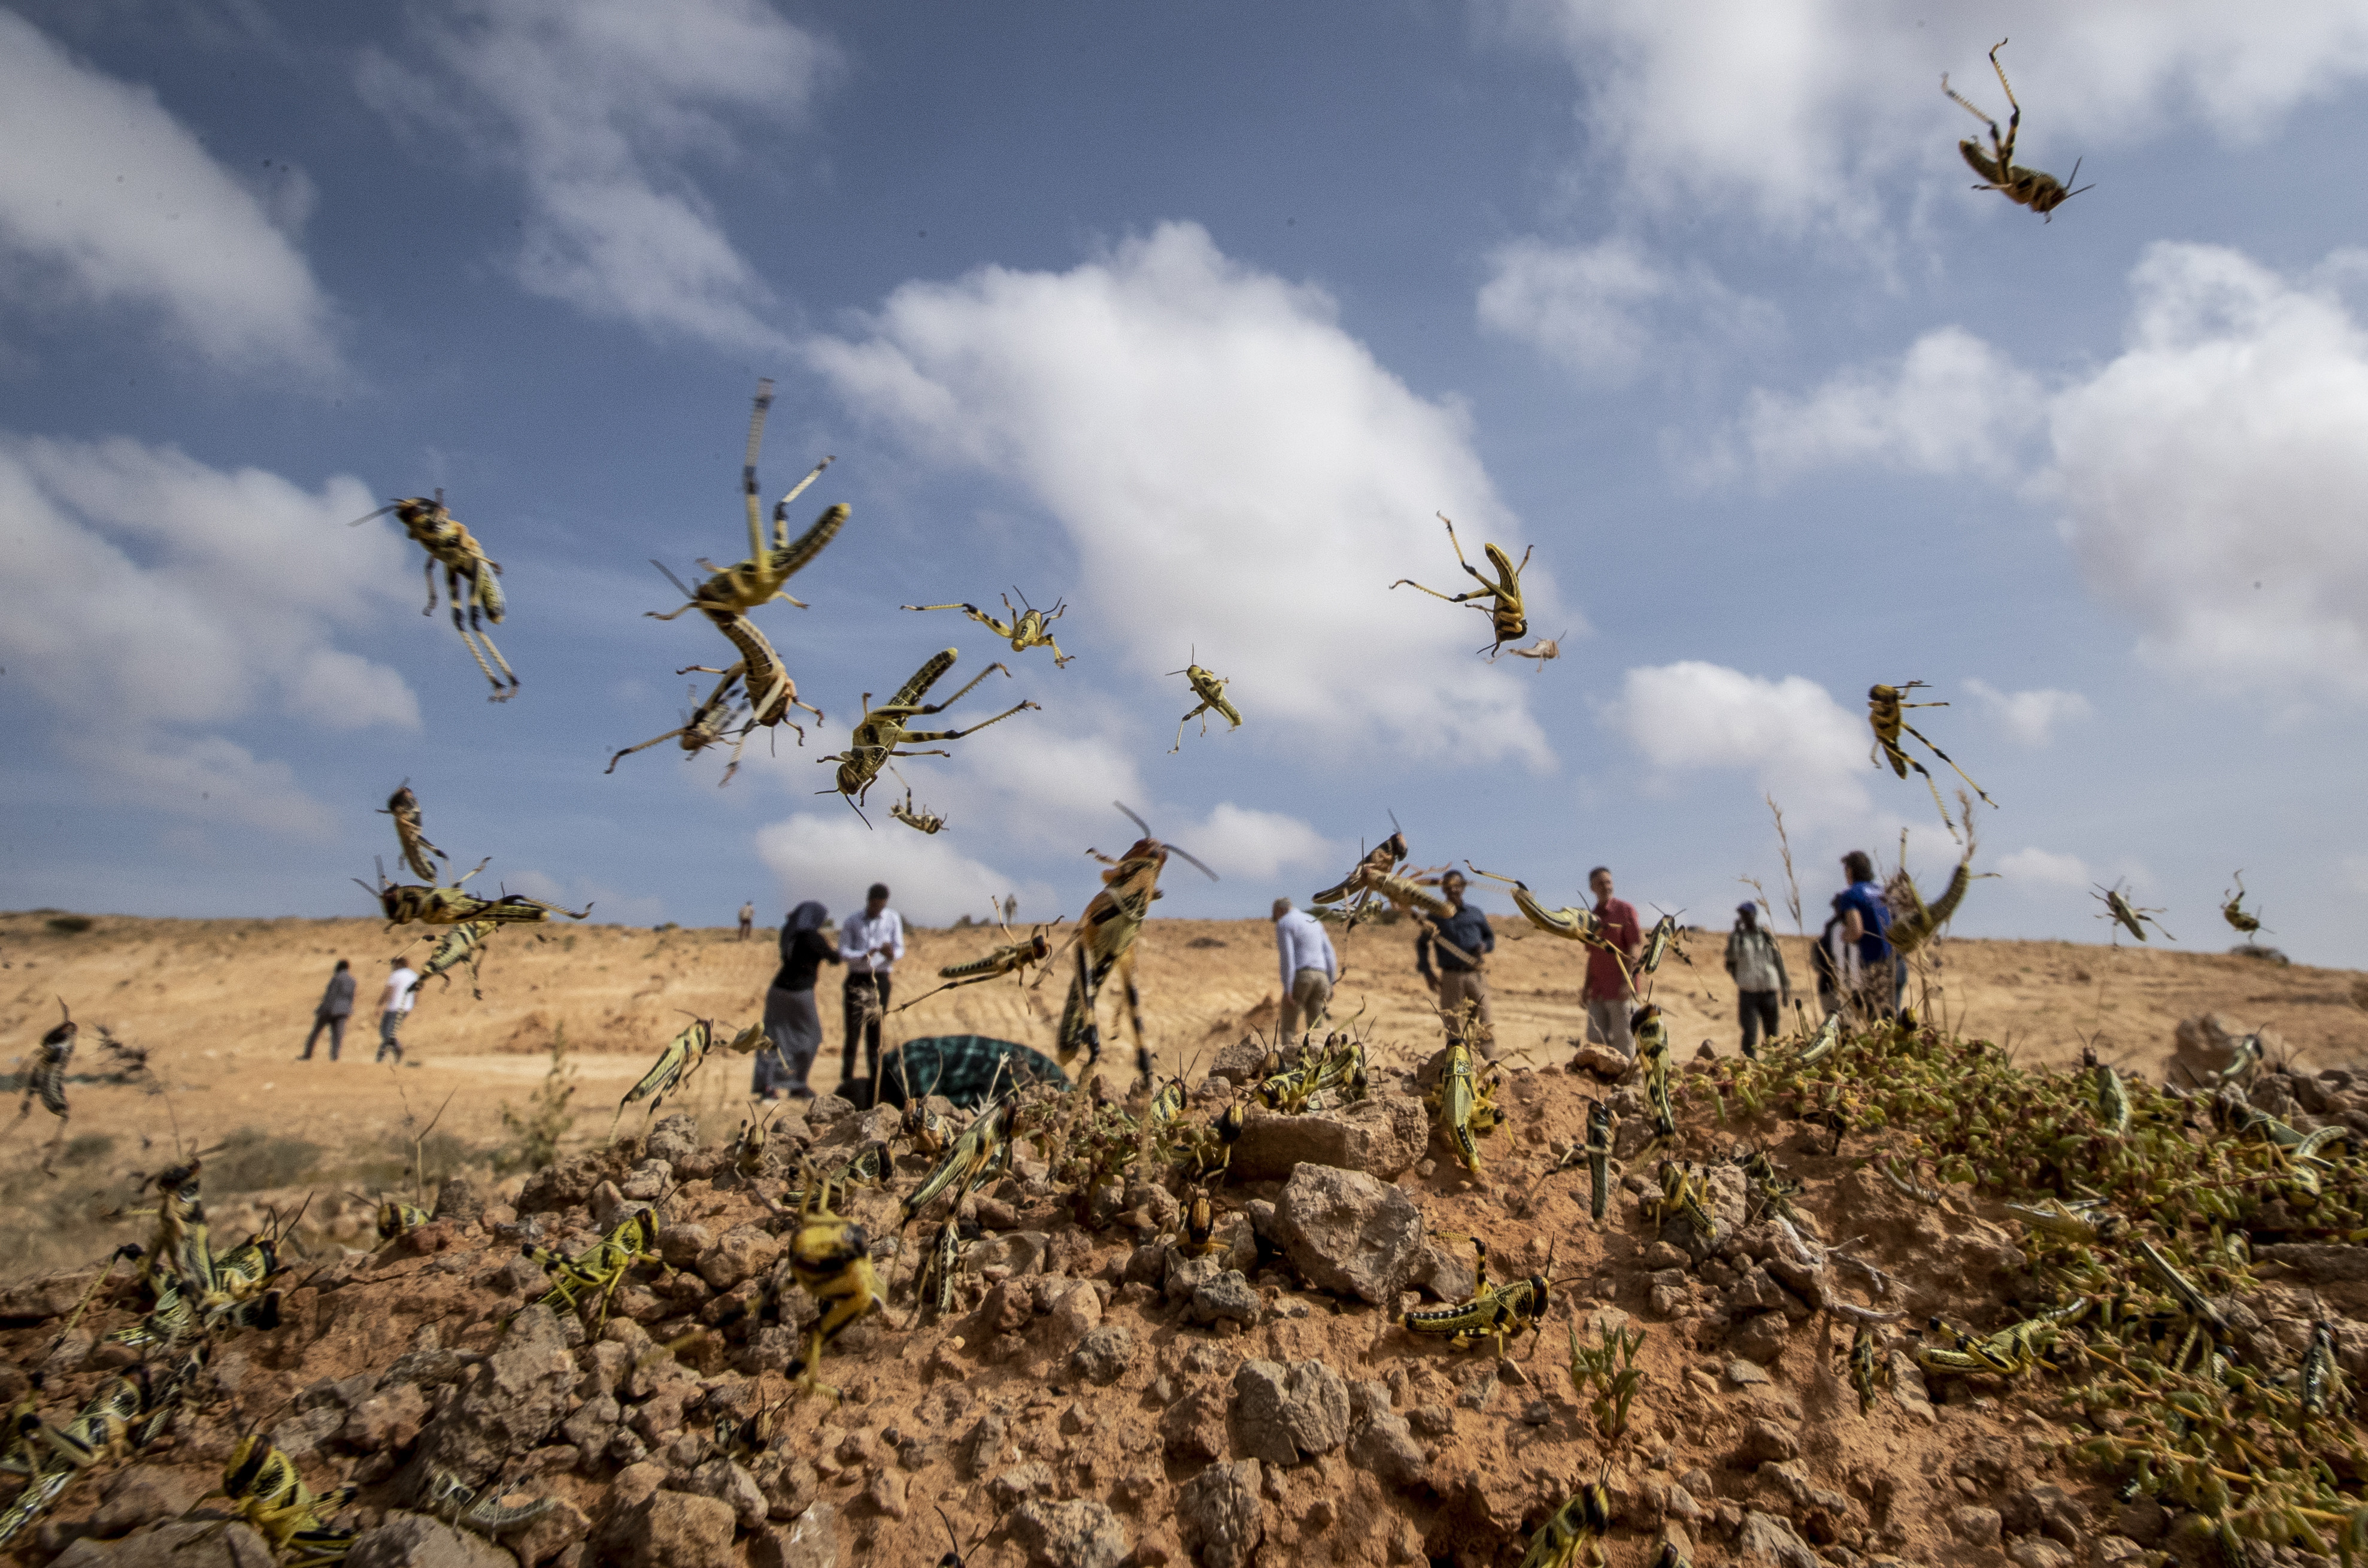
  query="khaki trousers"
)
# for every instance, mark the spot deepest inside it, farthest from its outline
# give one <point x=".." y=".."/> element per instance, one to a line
<point x="1458" y="986"/>
<point x="1310" y="995"/>
<point x="1606" y="1024"/>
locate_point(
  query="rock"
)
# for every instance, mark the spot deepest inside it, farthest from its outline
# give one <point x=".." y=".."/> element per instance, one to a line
<point x="385" y="1422"/>
<point x="1022" y="1252"/>
<point x="1629" y="1136"/>
<point x="2045" y="1510"/>
<point x="1602" y="1060"/>
<point x="682" y="1245"/>
<point x="1977" y="1525"/>
<point x="1743" y="1374"/>
<point x="508" y="1403"/>
<point x="1220" y="1514"/>
<point x="416" y="1540"/>
<point x="1764" y="1442"/>
<point x="1241" y="1064"/>
<point x="809" y="1540"/>
<point x="1021" y="1482"/>
<point x="674" y="1139"/>
<point x="1069" y="1535"/>
<point x="459" y="1199"/>
<point x="1193" y="1427"/>
<point x="1075" y="1312"/>
<point x="732" y="1484"/>
<point x="1346" y="1232"/>
<point x="670" y="1529"/>
<point x="1227" y="1295"/>
<point x="886" y="1494"/>
<point x="144" y="1494"/>
<point x="610" y="1207"/>
<point x="2112" y="1548"/>
<point x="789" y="1489"/>
<point x="877" y="1124"/>
<point x="2319" y="1263"/>
<point x="558" y="1528"/>
<point x="193" y="1544"/>
<point x="1384" y="1446"/>
<point x="1766" y="1539"/>
<point x="2038" y="1551"/>
<point x="981" y="1449"/>
<point x="1760" y="1337"/>
<point x="1441" y="1272"/>
<point x="1288" y="1414"/>
<point x="829" y="1108"/>
<point x="741" y="1253"/>
<point x="2144" y="1520"/>
<point x="1381" y="1135"/>
<point x="1103" y="1355"/>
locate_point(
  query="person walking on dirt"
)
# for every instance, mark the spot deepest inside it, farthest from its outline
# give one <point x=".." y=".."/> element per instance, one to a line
<point x="1463" y="940"/>
<point x="1310" y="968"/>
<point x="337" y="1005"/>
<point x="747" y="919"/>
<point x="1611" y="960"/>
<point x="792" y="1023"/>
<point x="1755" y="964"/>
<point x="393" y="1006"/>
<point x="1865" y="921"/>
<point x="869" y="943"/>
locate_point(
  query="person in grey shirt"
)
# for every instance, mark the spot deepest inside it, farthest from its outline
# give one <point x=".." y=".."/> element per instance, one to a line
<point x="335" y="1006"/>
<point x="1310" y="968"/>
<point x="1757" y="966"/>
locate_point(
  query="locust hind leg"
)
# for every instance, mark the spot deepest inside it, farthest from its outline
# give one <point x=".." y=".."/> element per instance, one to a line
<point x="470" y="643"/>
<point x="958" y="734"/>
<point x="914" y="705"/>
<point x="1134" y="1014"/>
<point x="477" y="625"/>
<point x="1945" y="756"/>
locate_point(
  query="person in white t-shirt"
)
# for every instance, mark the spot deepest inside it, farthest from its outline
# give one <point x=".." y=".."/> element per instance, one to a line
<point x="869" y="943"/>
<point x="394" y="1005"/>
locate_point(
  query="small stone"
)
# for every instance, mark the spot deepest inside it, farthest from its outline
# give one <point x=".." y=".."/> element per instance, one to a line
<point x="144" y="1494"/>
<point x="1020" y="1481"/>
<point x="2038" y="1551"/>
<point x="809" y="1540"/>
<point x="731" y="1483"/>
<point x="2111" y="1549"/>
<point x="674" y="1139"/>
<point x="1346" y="1232"/>
<point x="1226" y="1296"/>
<point x="1075" y="1312"/>
<point x="1764" y="1537"/>
<point x="739" y="1254"/>
<point x="1976" y="1523"/>
<point x="1069" y="1535"/>
<point x="459" y="1199"/>
<point x="1288" y="1414"/>
<point x="1765" y="1441"/>
<point x="993" y="1214"/>
<point x="887" y="1494"/>
<point x="827" y="1108"/>
<point x="1538" y="1413"/>
<point x="194" y="1544"/>
<point x="1103" y="1355"/>
<point x="1193" y="1427"/>
<point x="416" y="1540"/>
<point x="1743" y="1374"/>
<point x="1220" y="1514"/>
<point x="1602" y="1062"/>
<point x="1382" y="1445"/>
<point x="1433" y="1420"/>
<point x="1760" y="1337"/>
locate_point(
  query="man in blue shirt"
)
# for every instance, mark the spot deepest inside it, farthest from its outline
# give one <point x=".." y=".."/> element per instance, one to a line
<point x="1865" y="920"/>
<point x="1463" y="940"/>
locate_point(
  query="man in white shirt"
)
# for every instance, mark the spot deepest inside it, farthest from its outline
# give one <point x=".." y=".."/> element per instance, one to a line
<point x="394" y="1005"/>
<point x="1309" y="969"/>
<point x="869" y="943"/>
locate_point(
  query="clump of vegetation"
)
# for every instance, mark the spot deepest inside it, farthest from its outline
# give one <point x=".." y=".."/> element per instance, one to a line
<point x="547" y="1118"/>
<point x="253" y="1160"/>
<point x="70" y="925"/>
<point x="1609" y="1372"/>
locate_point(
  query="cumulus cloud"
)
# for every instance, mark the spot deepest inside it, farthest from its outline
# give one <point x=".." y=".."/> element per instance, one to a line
<point x="107" y="200"/>
<point x="1238" y="841"/>
<point x="1218" y="450"/>
<point x="1798" y="744"/>
<point x="146" y="596"/>
<point x="835" y="858"/>
<point x="2037" y="868"/>
<point x="1605" y="310"/>
<point x="1801" y="108"/>
<point x="2211" y="477"/>
<point x="2031" y="717"/>
<point x="1949" y="405"/>
<point x="599" y="106"/>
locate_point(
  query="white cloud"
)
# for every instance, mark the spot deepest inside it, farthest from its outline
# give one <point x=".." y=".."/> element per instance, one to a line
<point x="2037" y="868"/>
<point x="107" y="200"/>
<point x="1952" y="406"/>
<point x="599" y="105"/>
<point x="147" y="594"/>
<point x="1800" y="107"/>
<point x="604" y="903"/>
<point x="1799" y="743"/>
<point x="2222" y="450"/>
<point x="2031" y="717"/>
<point x="1604" y="309"/>
<point x="1238" y="841"/>
<point x="836" y="857"/>
<point x="1235" y="471"/>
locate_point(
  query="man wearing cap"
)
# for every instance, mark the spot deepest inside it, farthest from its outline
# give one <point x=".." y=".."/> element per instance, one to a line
<point x="1610" y="960"/>
<point x="1757" y="965"/>
<point x="1310" y="968"/>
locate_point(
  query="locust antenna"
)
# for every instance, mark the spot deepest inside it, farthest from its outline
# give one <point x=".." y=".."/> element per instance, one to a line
<point x="672" y="578"/>
<point x="391" y="506"/>
<point x="1186" y="855"/>
<point x="1138" y="822"/>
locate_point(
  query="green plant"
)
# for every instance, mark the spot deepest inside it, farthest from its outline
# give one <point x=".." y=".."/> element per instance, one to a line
<point x="1609" y="1369"/>
<point x="547" y="1118"/>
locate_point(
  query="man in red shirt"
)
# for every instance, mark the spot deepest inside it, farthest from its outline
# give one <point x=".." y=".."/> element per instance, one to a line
<point x="1607" y="993"/>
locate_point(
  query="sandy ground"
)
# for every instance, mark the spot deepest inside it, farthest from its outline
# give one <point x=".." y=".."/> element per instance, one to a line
<point x="222" y="1008"/>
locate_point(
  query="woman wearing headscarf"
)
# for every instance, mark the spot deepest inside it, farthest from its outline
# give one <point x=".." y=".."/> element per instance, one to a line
<point x="793" y="1028"/>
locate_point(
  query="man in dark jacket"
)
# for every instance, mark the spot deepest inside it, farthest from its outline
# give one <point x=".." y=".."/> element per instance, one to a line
<point x="1463" y="940"/>
<point x="335" y="1006"/>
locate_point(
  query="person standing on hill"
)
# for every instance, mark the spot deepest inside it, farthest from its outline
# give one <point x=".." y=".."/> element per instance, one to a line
<point x="871" y="943"/>
<point x="1463" y="940"/>
<point x="1866" y="919"/>
<point x="748" y="919"/>
<point x="793" y="1022"/>
<point x="1310" y="968"/>
<point x="393" y="1006"/>
<point x="1757" y="966"/>
<point x="337" y="1005"/>
<point x="1611" y="960"/>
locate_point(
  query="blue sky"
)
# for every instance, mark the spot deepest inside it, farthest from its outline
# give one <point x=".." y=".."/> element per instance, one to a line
<point x="1196" y="316"/>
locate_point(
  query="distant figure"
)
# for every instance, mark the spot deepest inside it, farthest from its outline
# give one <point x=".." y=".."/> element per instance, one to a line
<point x="1865" y="919"/>
<point x="1310" y="968"/>
<point x="792" y="1023"/>
<point x="1608" y="993"/>
<point x="394" y="1005"/>
<point x="1834" y="961"/>
<point x="337" y="1005"/>
<point x="1757" y="965"/>
<point x="1463" y="940"/>
<point x="747" y="919"/>
<point x="871" y="943"/>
